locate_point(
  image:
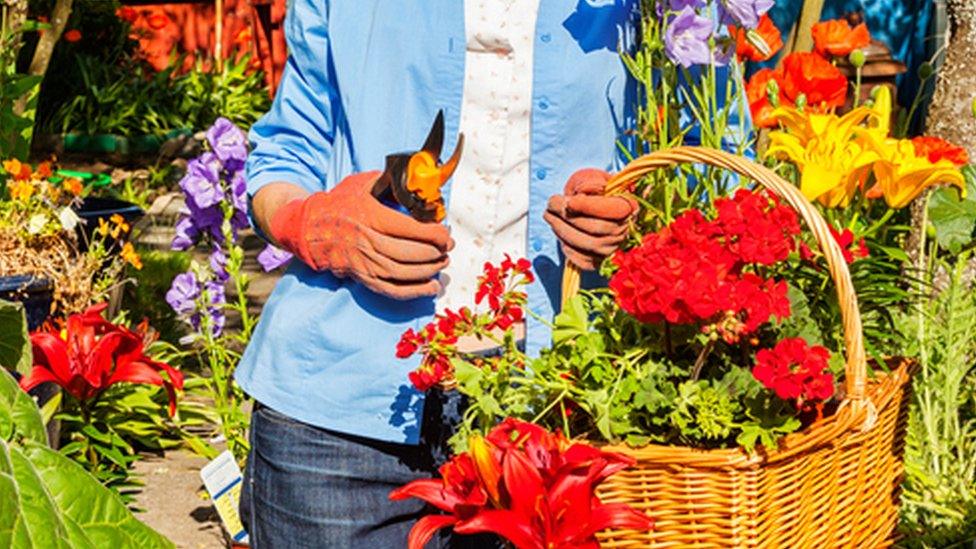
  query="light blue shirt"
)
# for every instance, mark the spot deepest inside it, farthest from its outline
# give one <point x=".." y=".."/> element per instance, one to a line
<point x="365" y="79"/>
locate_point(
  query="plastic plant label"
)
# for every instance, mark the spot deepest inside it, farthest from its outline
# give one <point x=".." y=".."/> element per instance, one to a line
<point x="223" y="480"/>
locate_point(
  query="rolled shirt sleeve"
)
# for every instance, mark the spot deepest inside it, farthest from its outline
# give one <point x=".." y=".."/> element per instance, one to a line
<point x="293" y="141"/>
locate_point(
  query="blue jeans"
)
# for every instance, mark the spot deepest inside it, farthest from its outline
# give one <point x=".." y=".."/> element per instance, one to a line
<point x="307" y="487"/>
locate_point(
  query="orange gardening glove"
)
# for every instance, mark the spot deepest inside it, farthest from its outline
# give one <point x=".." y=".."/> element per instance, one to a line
<point x="590" y="226"/>
<point x="350" y="233"/>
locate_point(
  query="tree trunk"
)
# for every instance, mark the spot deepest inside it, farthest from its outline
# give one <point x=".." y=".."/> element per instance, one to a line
<point x="45" y="46"/>
<point x="950" y="115"/>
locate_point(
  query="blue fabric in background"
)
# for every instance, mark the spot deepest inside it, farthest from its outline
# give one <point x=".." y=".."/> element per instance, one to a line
<point x="904" y="25"/>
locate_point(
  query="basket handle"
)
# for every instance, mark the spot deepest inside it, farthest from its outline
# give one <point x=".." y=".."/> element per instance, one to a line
<point x="856" y="365"/>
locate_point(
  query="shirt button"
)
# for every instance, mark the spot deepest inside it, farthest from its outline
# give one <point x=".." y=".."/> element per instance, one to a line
<point x="543" y="103"/>
<point x="540" y="174"/>
<point x="537" y="244"/>
<point x="545" y="37"/>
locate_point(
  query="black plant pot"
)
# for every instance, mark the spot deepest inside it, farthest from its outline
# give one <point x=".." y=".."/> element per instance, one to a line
<point x="94" y="208"/>
<point x="34" y="293"/>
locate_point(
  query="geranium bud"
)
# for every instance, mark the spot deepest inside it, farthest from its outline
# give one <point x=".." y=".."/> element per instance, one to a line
<point x="757" y="41"/>
<point x="925" y="71"/>
<point x="857" y="58"/>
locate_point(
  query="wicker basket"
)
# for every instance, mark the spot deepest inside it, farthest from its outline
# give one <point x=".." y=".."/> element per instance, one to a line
<point x="833" y="484"/>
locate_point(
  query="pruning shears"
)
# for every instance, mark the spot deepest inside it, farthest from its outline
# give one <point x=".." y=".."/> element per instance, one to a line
<point x="414" y="179"/>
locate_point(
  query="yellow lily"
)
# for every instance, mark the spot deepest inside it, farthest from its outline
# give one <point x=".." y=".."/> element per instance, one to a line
<point x="832" y="163"/>
<point x="902" y="174"/>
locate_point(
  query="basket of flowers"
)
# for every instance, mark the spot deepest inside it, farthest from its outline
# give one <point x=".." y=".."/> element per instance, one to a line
<point x="738" y="381"/>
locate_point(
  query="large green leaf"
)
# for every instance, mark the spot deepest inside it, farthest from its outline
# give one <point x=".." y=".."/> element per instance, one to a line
<point x="19" y="416"/>
<point x="92" y="509"/>
<point x="9" y="497"/>
<point x="38" y="523"/>
<point x="15" y="347"/>
<point x="954" y="218"/>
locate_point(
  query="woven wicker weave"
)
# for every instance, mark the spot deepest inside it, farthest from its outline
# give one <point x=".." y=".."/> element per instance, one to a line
<point x="833" y="484"/>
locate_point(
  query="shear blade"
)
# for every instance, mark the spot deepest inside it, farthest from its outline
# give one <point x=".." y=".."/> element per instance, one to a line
<point x="435" y="138"/>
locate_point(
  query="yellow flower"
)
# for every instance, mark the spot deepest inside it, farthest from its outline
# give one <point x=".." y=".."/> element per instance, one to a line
<point x="21" y="190"/>
<point x="902" y="174"/>
<point x="119" y="226"/>
<point x="832" y="163"/>
<point x="130" y="256"/>
<point x="103" y="228"/>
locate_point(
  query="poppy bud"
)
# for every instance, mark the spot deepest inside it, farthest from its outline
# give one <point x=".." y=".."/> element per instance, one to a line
<point x="772" y="92"/>
<point x="801" y="101"/>
<point x="925" y="71"/>
<point x="857" y="58"/>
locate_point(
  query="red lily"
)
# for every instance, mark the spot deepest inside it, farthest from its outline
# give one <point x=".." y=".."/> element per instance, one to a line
<point x="91" y="354"/>
<point x="547" y="488"/>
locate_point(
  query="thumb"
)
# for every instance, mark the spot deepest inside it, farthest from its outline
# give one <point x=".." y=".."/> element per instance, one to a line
<point x="587" y="181"/>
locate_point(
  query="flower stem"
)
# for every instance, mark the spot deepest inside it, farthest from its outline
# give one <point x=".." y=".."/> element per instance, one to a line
<point x="700" y="361"/>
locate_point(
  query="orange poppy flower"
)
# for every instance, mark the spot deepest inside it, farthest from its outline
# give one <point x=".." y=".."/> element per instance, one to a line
<point x="758" y="95"/>
<point x="157" y="21"/>
<point x="937" y="149"/>
<point x="812" y="76"/>
<point x="766" y="30"/>
<point x="837" y="38"/>
<point x="73" y="35"/>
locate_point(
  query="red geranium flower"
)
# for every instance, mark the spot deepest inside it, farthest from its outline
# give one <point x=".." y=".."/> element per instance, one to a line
<point x="73" y="35"/>
<point x="767" y="31"/>
<point x="795" y="371"/>
<point x="937" y="149"/>
<point x="692" y="271"/>
<point x="812" y="76"/>
<point x="94" y="354"/>
<point x="837" y="38"/>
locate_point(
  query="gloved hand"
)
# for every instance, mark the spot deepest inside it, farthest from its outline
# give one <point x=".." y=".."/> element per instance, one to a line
<point x="350" y="233"/>
<point x="590" y="226"/>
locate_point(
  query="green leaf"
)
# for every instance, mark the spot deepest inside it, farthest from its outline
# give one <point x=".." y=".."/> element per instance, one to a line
<point x="39" y="524"/>
<point x="954" y="218"/>
<point x="15" y="347"/>
<point x="88" y="507"/>
<point x="19" y="416"/>
<point x="572" y="321"/>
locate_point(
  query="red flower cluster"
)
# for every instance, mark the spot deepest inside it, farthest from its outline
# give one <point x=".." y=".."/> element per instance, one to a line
<point x="692" y="272"/>
<point x="937" y="149"/>
<point x="532" y="487"/>
<point x="499" y="286"/>
<point x="795" y="371"/>
<point x="93" y="354"/>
